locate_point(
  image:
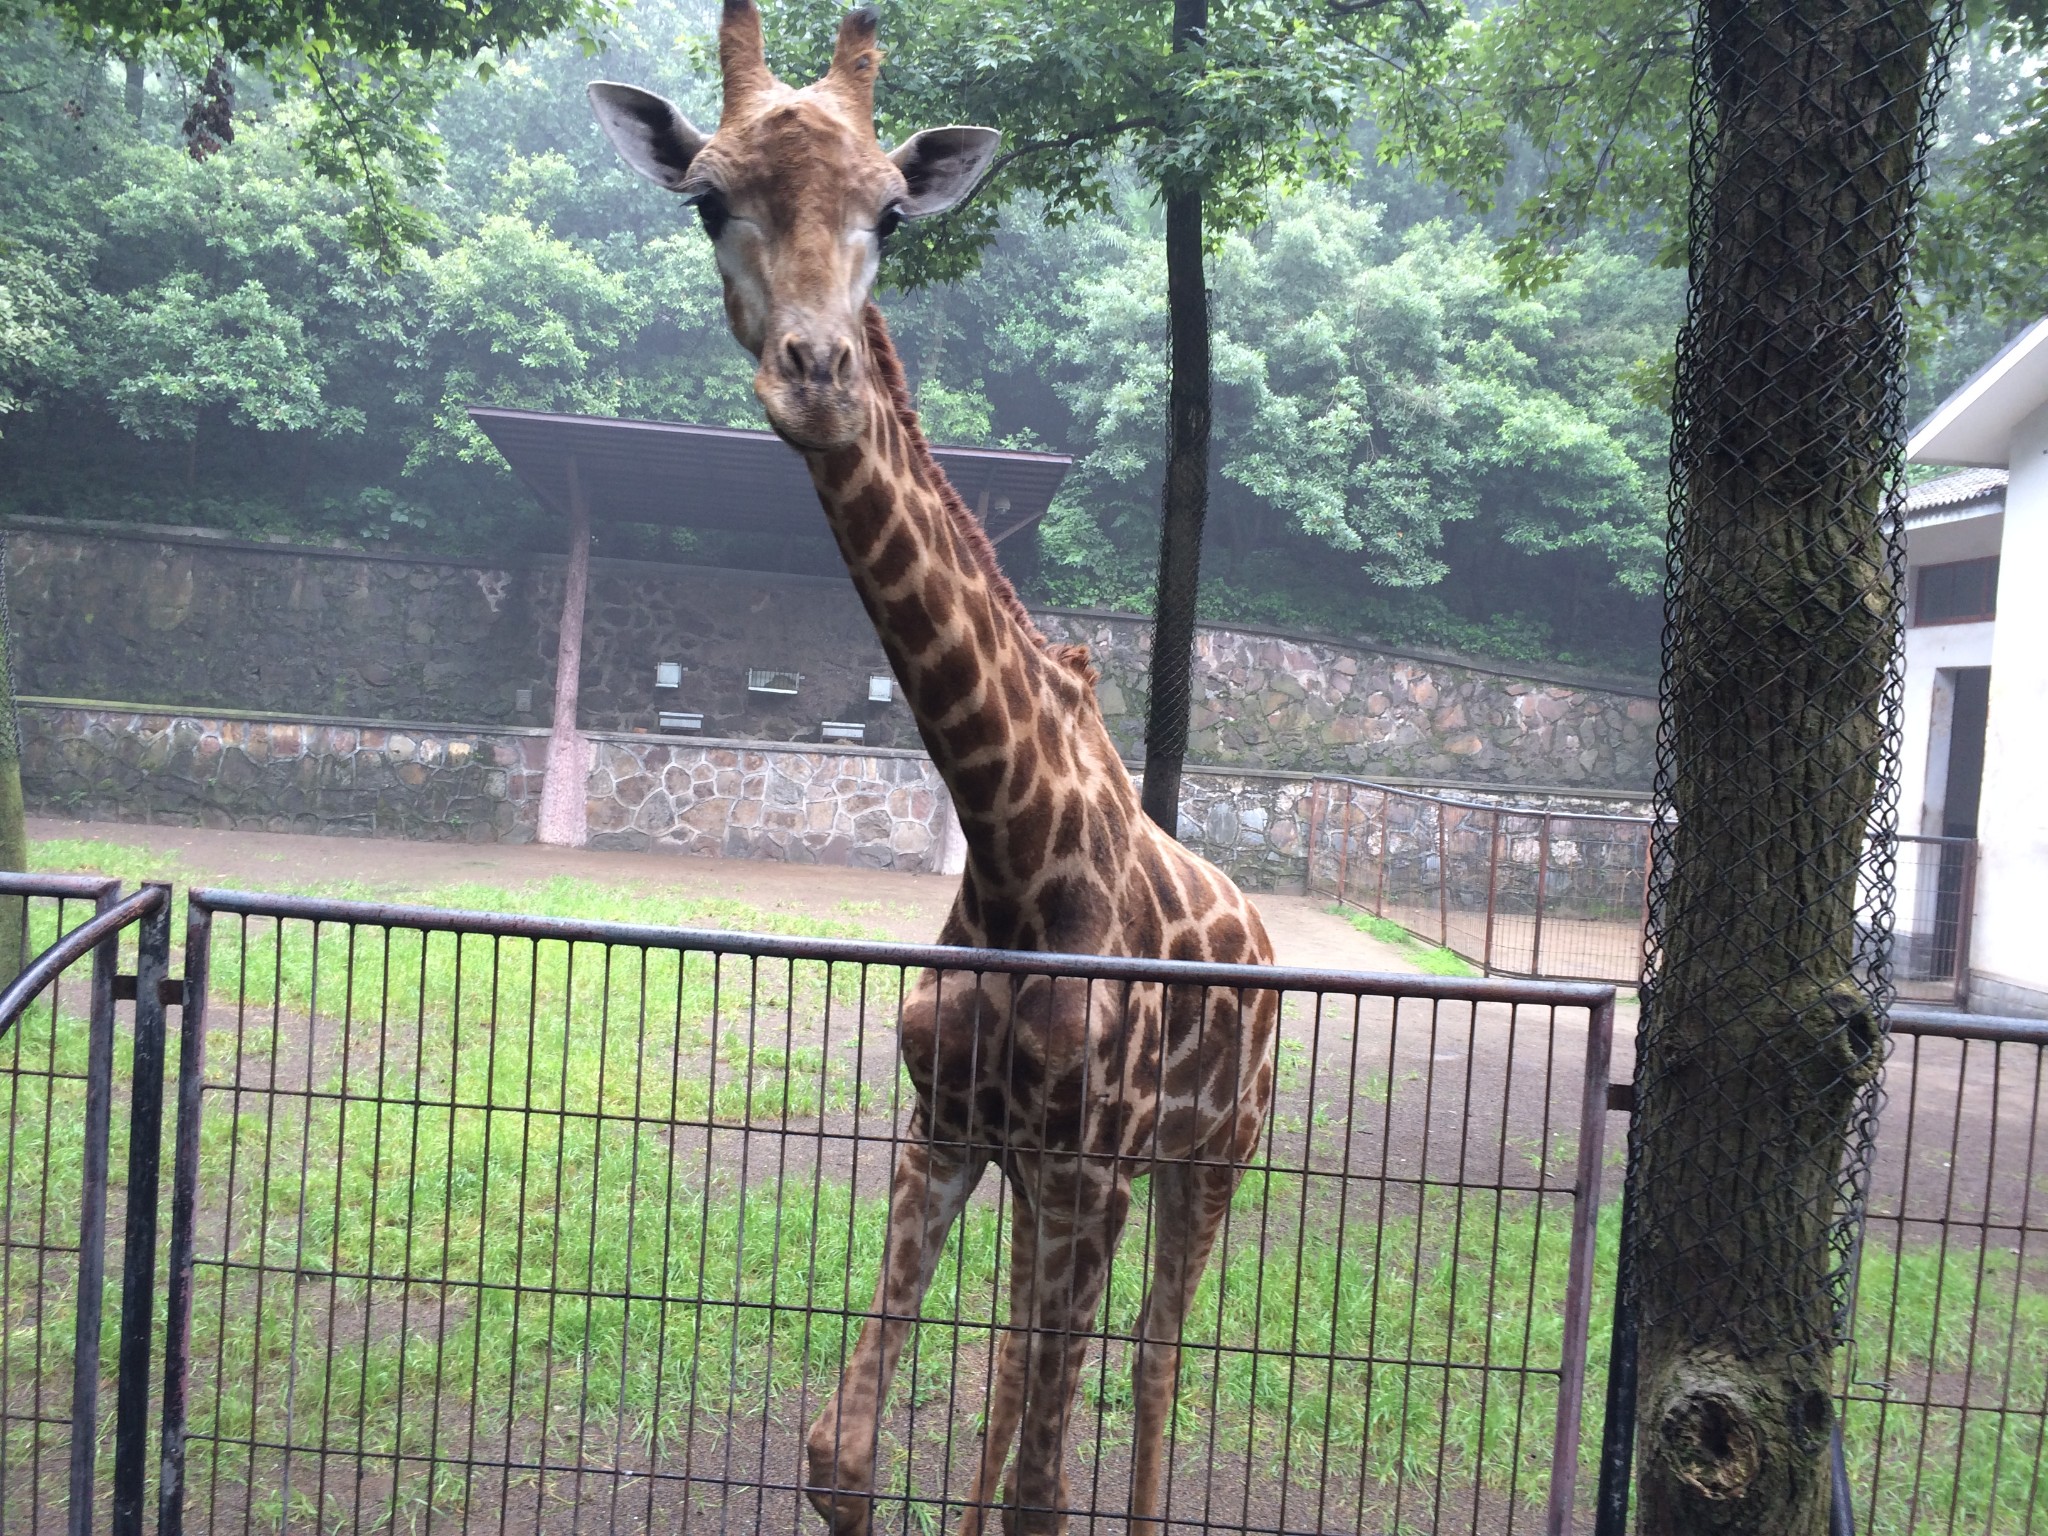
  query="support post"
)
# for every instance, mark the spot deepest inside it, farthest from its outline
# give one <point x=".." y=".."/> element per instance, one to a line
<point x="562" y="797"/>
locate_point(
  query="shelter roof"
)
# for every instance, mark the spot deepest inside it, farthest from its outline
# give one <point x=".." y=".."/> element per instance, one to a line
<point x="1975" y="424"/>
<point x="1957" y="489"/>
<point x="682" y="475"/>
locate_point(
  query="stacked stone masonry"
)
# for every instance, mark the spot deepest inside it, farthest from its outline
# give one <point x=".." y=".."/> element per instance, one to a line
<point x="178" y="619"/>
<point x="817" y="804"/>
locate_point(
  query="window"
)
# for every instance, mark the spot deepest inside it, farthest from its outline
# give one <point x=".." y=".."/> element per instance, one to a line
<point x="1961" y="592"/>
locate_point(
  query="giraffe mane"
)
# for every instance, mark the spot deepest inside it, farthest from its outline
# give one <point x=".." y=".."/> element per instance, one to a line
<point x="966" y="526"/>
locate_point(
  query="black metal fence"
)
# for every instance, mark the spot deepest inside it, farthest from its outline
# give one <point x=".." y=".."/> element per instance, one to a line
<point x="523" y="1224"/>
<point x="71" y="1083"/>
<point x="1516" y="892"/>
<point x="506" y="1223"/>
<point x="1946" y="1377"/>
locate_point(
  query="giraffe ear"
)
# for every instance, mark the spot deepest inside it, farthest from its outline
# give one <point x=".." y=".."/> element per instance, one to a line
<point x="647" y="130"/>
<point x="942" y="165"/>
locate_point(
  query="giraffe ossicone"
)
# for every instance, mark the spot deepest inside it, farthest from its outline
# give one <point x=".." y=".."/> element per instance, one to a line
<point x="1072" y="1090"/>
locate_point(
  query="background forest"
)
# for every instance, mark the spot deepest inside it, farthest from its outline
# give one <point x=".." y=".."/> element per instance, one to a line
<point x="1409" y="446"/>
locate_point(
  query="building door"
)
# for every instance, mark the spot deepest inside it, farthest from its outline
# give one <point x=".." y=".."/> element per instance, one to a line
<point x="1964" y="786"/>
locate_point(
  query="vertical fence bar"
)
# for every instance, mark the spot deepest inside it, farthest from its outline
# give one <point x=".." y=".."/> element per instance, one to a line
<point x="138" y="1267"/>
<point x="1578" y="1291"/>
<point x="1492" y="891"/>
<point x="1443" y="876"/>
<point x="1344" y="843"/>
<point x="1542" y="887"/>
<point x="92" y="1228"/>
<point x="170" y="1517"/>
<point x="1315" y="800"/>
<point x="1965" y="922"/>
<point x="1379" y="900"/>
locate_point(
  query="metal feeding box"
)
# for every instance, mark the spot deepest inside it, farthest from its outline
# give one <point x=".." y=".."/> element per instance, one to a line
<point x="680" y="719"/>
<point x="881" y="688"/>
<point x="771" y="680"/>
<point x="842" y="730"/>
<point x="668" y="674"/>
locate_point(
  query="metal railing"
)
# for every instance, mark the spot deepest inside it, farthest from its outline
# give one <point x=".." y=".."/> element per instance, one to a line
<point x="522" y="1221"/>
<point x="59" y="1065"/>
<point x="1946" y="1384"/>
<point x="528" y="1222"/>
<point x="1516" y="892"/>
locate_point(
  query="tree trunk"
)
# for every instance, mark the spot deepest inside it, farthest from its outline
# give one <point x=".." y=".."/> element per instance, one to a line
<point x="1764" y="1022"/>
<point x="132" y="88"/>
<point x="1184" y="501"/>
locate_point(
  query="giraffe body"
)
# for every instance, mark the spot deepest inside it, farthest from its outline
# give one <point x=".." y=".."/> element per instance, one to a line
<point x="1071" y="1089"/>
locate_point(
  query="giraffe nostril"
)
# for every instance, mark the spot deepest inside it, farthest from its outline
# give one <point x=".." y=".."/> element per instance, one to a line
<point x="796" y="356"/>
<point x="842" y="363"/>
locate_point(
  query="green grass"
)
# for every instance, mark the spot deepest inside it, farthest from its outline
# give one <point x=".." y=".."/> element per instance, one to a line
<point x="1430" y="959"/>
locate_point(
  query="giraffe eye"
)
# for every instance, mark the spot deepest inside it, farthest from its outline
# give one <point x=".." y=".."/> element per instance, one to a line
<point x="890" y="221"/>
<point x="711" y="212"/>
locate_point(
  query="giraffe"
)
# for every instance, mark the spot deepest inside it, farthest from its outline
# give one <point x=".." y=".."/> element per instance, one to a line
<point x="1072" y="1090"/>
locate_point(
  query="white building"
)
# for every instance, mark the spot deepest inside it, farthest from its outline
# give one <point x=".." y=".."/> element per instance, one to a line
<point x="1975" y="757"/>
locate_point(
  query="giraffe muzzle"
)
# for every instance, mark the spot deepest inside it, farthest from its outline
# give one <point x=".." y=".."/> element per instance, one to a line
<point x="809" y="384"/>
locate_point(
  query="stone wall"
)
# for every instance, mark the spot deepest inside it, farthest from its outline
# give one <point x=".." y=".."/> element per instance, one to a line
<point x="192" y="621"/>
<point x="823" y="805"/>
<point x="804" y="805"/>
<point x="339" y="777"/>
<point x="1275" y="701"/>
<point x="816" y="804"/>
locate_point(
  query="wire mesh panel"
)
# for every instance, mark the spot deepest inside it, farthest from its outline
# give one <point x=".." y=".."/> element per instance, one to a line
<point x="508" y="1224"/>
<point x="56" y="1082"/>
<point x="1946" y="1420"/>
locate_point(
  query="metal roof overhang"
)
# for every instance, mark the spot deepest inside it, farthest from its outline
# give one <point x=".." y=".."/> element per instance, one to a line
<point x="1974" y="425"/>
<point x="680" y="475"/>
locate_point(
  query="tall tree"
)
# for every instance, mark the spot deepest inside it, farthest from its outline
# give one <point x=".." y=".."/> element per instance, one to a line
<point x="1763" y="1018"/>
<point x="1184" y="496"/>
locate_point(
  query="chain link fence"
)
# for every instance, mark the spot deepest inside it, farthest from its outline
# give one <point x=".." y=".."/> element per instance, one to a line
<point x="1773" y="855"/>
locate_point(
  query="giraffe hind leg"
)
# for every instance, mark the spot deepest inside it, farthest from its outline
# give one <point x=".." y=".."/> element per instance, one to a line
<point x="1077" y="1235"/>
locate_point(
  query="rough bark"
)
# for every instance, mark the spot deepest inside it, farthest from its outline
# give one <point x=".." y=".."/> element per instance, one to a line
<point x="1763" y="1028"/>
<point x="1184" y="500"/>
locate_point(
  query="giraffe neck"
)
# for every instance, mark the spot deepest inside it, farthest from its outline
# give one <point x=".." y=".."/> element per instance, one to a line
<point x="1010" y="722"/>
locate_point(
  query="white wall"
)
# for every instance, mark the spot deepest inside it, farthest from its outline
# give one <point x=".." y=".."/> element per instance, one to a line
<point x="2010" y="954"/>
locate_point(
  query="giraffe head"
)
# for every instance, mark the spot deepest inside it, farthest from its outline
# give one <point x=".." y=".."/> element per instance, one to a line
<point x="797" y="196"/>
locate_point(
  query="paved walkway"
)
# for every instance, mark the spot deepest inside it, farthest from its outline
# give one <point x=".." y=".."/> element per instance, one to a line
<point x="904" y="907"/>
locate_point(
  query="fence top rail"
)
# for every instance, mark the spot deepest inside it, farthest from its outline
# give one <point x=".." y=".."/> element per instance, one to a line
<point x="907" y="956"/>
<point x="74" y="947"/>
<point x="1942" y="1024"/>
<point x="85" y="887"/>
<point x="1477" y="805"/>
<point x="1944" y="842"/>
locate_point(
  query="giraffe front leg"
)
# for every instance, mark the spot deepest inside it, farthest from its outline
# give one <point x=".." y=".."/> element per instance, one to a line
<point x="1188" y="1206"/>
<point x="931" y="1184"/>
